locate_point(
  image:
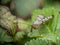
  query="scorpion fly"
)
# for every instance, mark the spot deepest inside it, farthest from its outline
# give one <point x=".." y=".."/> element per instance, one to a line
<point x="39" y="20"/>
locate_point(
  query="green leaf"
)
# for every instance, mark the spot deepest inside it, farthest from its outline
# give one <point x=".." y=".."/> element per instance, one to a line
<point x="4" y="37"/>
<point x="19" y="36"/>
<point x="49" y="30"/>
<point x="37" y="42"/>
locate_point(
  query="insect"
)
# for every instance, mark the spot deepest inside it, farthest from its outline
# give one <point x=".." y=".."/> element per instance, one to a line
<point x="39" y="20"/>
